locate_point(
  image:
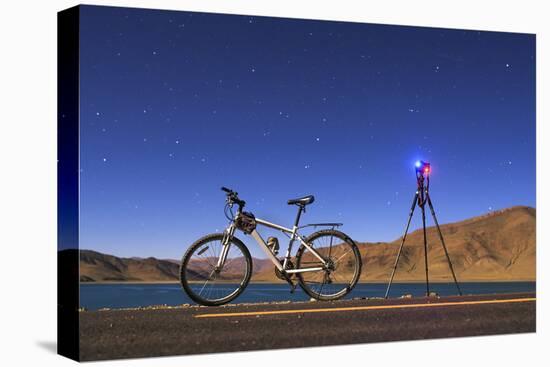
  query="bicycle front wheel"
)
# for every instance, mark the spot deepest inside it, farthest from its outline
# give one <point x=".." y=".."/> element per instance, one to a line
<point x="204" y="281"/>
<point x="342" y="269"/>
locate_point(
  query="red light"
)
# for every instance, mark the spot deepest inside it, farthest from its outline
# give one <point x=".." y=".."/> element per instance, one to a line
<point x="427" y="170"/>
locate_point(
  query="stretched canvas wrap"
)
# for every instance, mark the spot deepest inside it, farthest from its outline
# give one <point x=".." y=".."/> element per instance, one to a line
<point x="235" y="182"/>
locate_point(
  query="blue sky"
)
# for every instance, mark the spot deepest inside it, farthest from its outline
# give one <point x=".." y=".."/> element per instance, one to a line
<point x="176" y="104"/>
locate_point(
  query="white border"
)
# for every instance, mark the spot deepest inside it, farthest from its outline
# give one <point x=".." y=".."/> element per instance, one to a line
<point x="28" y="181"/>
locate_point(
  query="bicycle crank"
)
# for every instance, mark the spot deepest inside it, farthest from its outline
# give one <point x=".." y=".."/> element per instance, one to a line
<point x="282" y="276"/>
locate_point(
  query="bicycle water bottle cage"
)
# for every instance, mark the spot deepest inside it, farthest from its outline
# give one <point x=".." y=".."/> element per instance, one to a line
<point x="246" y="222"/>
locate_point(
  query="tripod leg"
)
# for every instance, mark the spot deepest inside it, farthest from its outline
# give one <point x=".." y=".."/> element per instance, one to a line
<point x="443" y="243"/>
<point x="402" y="243"/>
<point x="425" y="248"/>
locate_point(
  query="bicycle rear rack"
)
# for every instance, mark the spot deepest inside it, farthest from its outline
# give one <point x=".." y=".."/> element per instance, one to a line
<point x="315" y="225"/>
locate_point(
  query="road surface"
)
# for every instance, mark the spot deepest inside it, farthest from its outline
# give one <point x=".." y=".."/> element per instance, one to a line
<point x="191" y="330"/>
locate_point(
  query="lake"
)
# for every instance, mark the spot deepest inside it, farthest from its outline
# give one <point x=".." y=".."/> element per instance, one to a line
<point x="96" y="296"/>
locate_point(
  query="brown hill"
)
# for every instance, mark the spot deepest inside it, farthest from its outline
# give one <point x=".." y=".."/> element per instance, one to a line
<point x="95" y="266"/>
<point x="493" y="247"/>
<point x="497" y="246"/>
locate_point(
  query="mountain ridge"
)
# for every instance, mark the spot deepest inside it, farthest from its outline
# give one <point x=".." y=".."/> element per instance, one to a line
<point x="497" y="246"/>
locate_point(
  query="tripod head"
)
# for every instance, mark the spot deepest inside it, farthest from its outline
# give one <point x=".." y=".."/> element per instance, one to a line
<point x="423" y="170"/>
<point x="422" y="167"/>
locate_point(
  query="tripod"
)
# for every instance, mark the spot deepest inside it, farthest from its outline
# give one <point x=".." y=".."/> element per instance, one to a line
<point x="421" y="197"/>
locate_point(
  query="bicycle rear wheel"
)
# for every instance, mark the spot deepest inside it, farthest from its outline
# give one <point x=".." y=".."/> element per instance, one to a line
<point x="207" y="284"/>
<point x="343" y="265"/>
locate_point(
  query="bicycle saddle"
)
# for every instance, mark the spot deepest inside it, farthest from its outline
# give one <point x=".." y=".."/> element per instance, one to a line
<point x="302" y="201"/>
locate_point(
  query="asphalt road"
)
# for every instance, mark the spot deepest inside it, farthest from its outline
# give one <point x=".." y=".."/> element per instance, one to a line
<point x="190" y="330"/>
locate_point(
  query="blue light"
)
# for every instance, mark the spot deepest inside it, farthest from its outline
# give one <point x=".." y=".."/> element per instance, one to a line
<point x="418" y="164"/>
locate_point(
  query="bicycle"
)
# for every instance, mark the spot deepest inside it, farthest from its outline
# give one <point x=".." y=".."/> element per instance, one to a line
<point x="217" y="268"/>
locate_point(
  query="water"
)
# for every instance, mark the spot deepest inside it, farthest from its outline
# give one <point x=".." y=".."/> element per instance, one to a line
<point x="96" y="296"/>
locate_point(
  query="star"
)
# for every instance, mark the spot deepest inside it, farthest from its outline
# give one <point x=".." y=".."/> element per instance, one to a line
<point x="104" y="159"/>
<point x="306" y="166"/>
<point x="177" y="141"/>
<point x="507" y="65"/>
<point x="97" y="113"/>
<point x="317" y="139"/>
<point x="253" y="70"/>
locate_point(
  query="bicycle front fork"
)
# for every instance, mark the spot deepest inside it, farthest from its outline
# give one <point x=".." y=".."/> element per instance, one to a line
<point x="226" y="243"/>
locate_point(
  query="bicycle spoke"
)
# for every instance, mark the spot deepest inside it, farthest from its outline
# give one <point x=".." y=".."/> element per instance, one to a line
<point x="322" y="284"/>
<point x="341" y="270"/>
<point x="204" y="285"/>
<point x="340" y="258"/>
<point x="206" y="280"/>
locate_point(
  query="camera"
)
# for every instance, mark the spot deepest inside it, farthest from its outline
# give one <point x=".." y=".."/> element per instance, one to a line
<point x="422" y="167"/>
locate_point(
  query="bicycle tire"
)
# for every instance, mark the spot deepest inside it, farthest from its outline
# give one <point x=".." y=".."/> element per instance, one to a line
<point x="357" y="265"/>
<point x="184" y="271"/>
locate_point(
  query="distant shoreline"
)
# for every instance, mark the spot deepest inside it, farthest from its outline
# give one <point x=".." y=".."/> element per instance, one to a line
<point x="361" y="282"/>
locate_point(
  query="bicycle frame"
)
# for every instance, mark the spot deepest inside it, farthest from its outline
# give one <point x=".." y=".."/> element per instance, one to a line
<point x="294" y="235"/>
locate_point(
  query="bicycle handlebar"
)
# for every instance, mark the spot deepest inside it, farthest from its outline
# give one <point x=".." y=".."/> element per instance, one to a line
<point x="233" y="197"/>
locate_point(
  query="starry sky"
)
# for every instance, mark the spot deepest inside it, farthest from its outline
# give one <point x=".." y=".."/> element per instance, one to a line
<point x="176" y="104"/>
